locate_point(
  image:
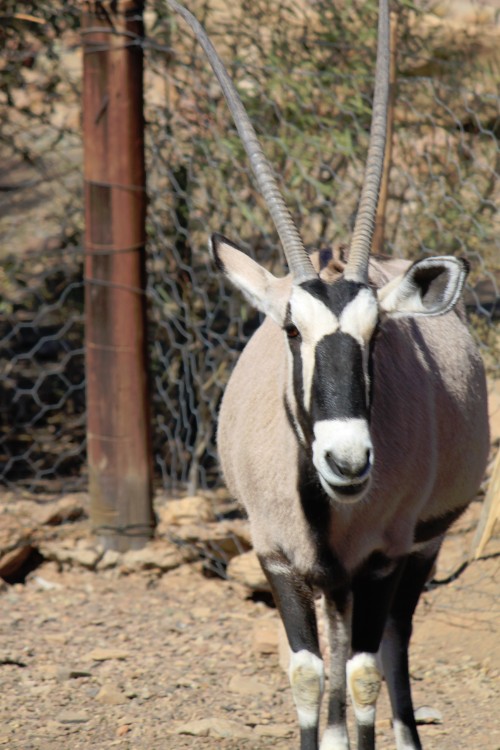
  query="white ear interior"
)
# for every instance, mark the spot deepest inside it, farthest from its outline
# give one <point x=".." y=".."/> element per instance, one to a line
<point x="431" y="286"/>
<point x="261" y="288"/>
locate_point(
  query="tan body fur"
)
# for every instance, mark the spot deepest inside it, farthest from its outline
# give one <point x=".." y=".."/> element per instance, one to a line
<point x="428" y="424"/>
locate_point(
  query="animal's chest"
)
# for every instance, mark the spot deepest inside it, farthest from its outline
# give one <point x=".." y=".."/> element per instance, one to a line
<point x="370" y="537"/>
<point x="336" y="568"/>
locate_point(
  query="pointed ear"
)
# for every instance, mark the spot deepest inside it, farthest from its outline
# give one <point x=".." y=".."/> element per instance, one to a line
<point x="264" y="291"/>
<point x="431" y="286"/>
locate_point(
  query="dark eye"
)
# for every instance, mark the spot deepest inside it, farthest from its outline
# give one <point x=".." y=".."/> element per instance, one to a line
<point x="292" y="331"/>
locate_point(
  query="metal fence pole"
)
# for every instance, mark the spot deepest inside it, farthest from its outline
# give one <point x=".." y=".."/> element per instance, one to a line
<point x="118" y="426"/>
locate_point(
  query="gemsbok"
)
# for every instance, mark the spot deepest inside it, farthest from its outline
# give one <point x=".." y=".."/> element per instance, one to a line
<point x="354" y="430"/>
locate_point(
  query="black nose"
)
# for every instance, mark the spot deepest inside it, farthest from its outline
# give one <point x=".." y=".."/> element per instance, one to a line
<point x="348" y="469"/>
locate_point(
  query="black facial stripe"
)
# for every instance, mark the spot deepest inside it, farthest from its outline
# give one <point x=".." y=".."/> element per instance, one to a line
<point x="335" y="296"/>
<point x="298" y="389"/>
<point x="371" y="365"/>
<point x="297" y="377"/>
<point x="339" y="385"/>
<point x="298" y="381"/>
<point x="297" y="424"/>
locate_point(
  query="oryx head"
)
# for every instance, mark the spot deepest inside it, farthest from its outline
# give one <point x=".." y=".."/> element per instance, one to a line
<point x="330" y="331"/>
<point x="330" y="328"/>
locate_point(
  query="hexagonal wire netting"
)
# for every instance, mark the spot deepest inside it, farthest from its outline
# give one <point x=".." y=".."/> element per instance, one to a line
<point x="305" y="72"/>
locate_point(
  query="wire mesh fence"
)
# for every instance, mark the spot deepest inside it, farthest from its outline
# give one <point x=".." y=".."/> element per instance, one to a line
<point x="41" y="319"/>
<point x="305" y="72"/>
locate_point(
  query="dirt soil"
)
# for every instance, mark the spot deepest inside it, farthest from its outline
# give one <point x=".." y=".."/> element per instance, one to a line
<point x="144" y="660"/>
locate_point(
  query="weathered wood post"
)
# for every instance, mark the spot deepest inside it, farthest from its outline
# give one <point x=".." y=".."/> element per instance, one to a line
<point x="118" y="424"/>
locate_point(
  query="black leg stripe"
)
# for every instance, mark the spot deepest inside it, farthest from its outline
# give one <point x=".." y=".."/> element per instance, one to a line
<point x="295" y="601"/>
<point x="309" y="738"/>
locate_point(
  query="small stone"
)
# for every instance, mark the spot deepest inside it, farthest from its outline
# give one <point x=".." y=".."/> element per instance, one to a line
<point x="214" y="727"/>
<point x="72" y="717"/>
<point x="231" y="729"/>
<point x="428" y="715"/>
<point x="16" y="661"/>
<point x="246" y="569"/>
<point x="45" y="585"/>
<point x="111" y="695"/>
<point x="57" y="638"/>
<point x="69" y="508"/>
<point x="194" y="509"/>
<point x="171" y="558"/>
<point x="197" y="728"/>
<point x="159" y="556"/>
<point x="62" y="674"/>
<point x="110" y="559"/>
<point x="70" y="555"/>
<point x="11" y="561"/>
<point x="123" y="730"/>
<point x="265" y="637"/>
<point x="279" y="731"/>
<point x="225" y="538"/>
<point x="201" y="613"/>
<point x="87" y="558"/>
<point x="183" y="682"/>
<point x="247" y="685"/>
<point x="75" y="674"/>
<point x="105" y="654"/>
<point x="52" y="727"/>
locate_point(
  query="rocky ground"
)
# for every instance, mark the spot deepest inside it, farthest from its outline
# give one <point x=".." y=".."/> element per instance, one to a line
<point x="153" y="650"/>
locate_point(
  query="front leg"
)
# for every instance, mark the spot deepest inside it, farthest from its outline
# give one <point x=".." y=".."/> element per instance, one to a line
<point x="394" y="648"/>
<point x="373" y="592"/>
<point x="338" y="610"/>
<point x="295" y="601"/>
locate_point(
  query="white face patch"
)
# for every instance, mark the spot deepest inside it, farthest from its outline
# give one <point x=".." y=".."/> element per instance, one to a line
<point x="314" y="321"/>
<point x="359" y="317"/>
<point x="311" y="316"/>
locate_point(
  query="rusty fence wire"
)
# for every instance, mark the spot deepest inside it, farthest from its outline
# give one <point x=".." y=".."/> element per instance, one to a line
<point x="305" y="73"/>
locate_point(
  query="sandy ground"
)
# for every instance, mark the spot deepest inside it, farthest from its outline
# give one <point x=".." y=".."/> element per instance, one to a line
<point x="142" y="661"/>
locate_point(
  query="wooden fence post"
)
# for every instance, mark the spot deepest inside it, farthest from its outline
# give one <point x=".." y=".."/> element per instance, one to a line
<point x="118" y="414"/>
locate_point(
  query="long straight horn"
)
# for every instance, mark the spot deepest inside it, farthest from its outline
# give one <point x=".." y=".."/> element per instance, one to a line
<point x="359" y="254"/>
<point x="298" y="260"/>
